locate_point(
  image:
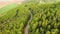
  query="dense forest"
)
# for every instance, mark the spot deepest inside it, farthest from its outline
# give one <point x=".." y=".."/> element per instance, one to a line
<point x="40" y="18"/>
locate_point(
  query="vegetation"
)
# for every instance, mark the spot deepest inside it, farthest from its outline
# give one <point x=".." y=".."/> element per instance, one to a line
<point x="45" y="19"/>
<point x="15" y="20"/>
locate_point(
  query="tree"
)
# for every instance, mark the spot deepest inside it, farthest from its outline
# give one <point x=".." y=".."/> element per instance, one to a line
<point x="48" y="32"/>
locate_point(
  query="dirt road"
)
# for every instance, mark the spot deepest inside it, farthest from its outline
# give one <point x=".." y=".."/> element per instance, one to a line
<point x="26" y="30"/>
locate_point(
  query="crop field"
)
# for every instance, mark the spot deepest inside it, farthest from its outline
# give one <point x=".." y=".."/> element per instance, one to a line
<point x="46" y="19"/>
<point x="30" y="18"/>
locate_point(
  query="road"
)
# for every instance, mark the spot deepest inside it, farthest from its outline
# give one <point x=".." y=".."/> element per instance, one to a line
<point x="26" y="30"/>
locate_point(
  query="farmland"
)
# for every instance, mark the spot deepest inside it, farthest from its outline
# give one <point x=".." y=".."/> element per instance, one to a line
<point x="30" y="18"/>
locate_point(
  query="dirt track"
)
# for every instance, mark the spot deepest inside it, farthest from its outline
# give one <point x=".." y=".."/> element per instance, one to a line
<point x="26" y="30"/>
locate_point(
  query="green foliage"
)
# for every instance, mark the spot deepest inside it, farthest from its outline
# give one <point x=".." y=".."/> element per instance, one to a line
<point x="46" y="18"/>
<point x="14" y="20"/>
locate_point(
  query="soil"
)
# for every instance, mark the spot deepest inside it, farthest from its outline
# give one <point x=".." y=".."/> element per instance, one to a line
<point x="6" y="2"/>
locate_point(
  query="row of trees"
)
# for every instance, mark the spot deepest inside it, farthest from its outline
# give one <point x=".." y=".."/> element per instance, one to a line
<point x="15" y="24"/>
<point x="46" y="18"/>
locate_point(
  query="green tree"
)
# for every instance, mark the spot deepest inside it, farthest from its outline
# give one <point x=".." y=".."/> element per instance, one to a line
<point x="47" y="32"/>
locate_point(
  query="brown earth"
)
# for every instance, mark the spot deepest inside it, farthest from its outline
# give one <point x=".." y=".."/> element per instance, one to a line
<point x="4" y="3"/>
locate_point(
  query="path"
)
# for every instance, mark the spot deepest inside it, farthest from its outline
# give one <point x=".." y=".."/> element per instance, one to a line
<point x="26" y="30"/>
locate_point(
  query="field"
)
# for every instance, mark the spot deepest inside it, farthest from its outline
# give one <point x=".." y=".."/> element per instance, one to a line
<point x="30" y="18"/>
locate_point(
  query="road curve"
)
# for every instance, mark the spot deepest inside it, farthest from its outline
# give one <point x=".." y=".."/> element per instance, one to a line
<point x="26" y="30"/>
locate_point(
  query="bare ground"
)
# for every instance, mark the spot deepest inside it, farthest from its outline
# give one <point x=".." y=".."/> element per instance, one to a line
<point x="5" y="2"/>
